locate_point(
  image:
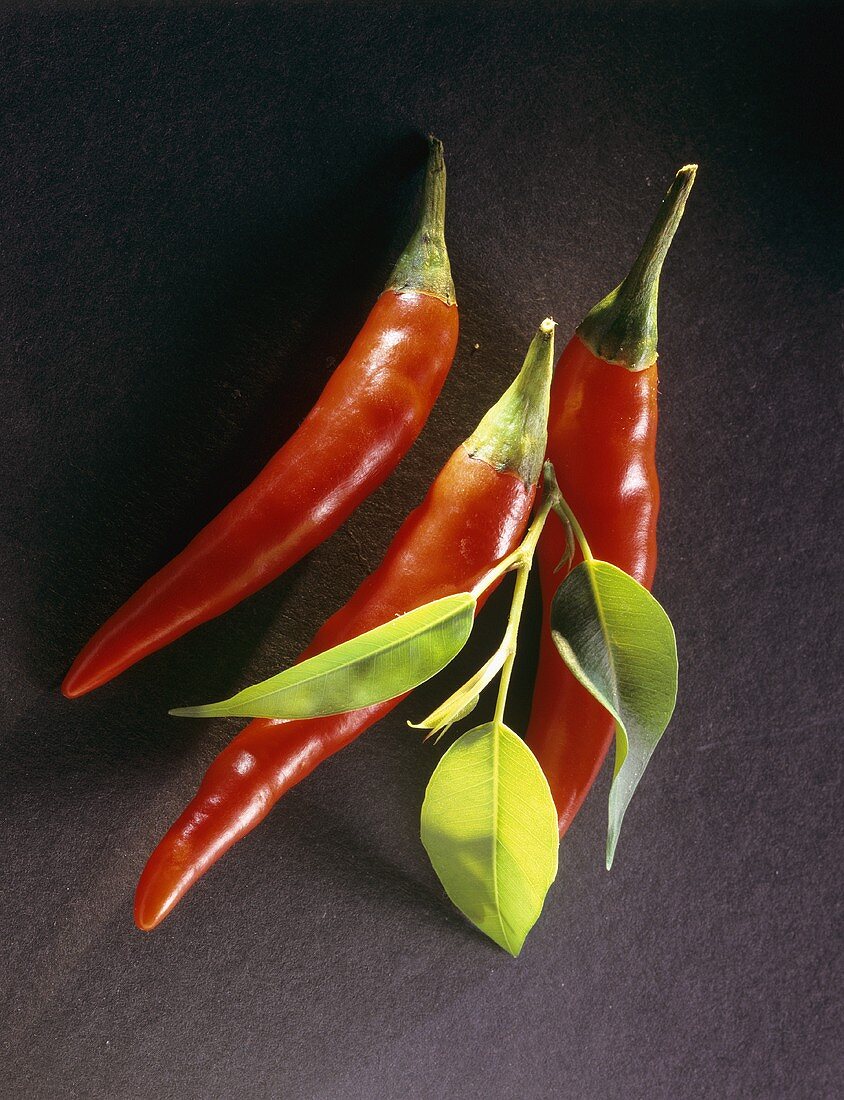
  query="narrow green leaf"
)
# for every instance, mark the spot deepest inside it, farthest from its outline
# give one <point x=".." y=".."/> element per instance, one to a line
<point x="464" y="700"/>
<point x="620" y="644"/>
<point x="443" y="718"/>
<point x="489" y="827"/>
<point x="375" y="666"/>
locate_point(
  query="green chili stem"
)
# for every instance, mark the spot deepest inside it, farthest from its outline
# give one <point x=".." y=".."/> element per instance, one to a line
<point x="513" y="434"/>
<point x="424" y="264"/>
<point x="622" y="328"/>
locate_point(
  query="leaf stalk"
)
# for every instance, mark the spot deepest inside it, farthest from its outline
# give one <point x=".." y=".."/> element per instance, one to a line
<point x="519" y="561"/>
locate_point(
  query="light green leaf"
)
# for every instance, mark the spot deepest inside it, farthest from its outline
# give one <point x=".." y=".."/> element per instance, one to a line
<point x="375" y="666"/>
<point x="464" y="700"/>
<point x="620" y="644"/>
<point x="489" y="826"/>
<point x="456" y="707"/>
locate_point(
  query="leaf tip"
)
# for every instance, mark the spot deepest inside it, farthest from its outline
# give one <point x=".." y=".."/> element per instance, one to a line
<point x="192" y="712"/>
<point x="612" y="841"/>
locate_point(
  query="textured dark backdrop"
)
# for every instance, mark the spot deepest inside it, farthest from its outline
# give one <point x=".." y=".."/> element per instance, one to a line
<point x="198" y="208"/>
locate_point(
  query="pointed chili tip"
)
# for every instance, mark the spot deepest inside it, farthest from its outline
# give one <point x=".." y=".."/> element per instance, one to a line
<point x="158" y="892"/>
<point x="148" y="917"/>
<point x="622" y="328"/>
<point x="76" y="683"/>
<point x="513" y="434"/>
<point x="424" y="265"/>
<point x="145" y="922"/>
<point x="69" y="688"/>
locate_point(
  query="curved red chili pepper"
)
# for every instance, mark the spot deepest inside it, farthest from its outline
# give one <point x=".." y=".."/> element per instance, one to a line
<point x="473" y="516"/>
<point x="372" y="409"/>
<point x="602" y="442"/>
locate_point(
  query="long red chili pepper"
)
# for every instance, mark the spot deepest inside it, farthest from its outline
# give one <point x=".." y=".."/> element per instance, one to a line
<point x="473" y="516"/>
<point x="365" y="420"/>
<point x="602" y="441"/>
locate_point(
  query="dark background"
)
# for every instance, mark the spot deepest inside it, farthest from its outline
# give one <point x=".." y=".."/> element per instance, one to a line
<point x="199" y="206"/>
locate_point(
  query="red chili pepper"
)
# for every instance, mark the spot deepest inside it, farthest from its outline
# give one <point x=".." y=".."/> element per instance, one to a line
<point x="365" y="420"/>
<point x="473" y="516"/>
<point x="602" y="442"/>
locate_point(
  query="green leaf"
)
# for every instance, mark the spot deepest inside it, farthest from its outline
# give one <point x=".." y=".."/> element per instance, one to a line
<point x="371" y="668"/>
<point x="464" y="700"/>
<point x="454" y="709"/>
<point x="489" y="826"/>
<point x="620" y="644"/>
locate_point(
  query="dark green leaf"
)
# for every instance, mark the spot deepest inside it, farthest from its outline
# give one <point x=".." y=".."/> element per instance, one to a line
<point x="619" y="643"/>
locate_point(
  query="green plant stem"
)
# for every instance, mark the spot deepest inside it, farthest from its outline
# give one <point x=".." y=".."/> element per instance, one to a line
<point x="523" y="554"/>
<point x="521" y="561"/>
<point x="511" y="640"/>
<point x="561" y="506"/>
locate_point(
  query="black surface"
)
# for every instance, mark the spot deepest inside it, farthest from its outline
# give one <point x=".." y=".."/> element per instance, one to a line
<point x="198" y="208"/>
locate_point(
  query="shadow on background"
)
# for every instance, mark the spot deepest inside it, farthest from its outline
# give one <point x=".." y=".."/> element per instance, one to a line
<point x="246" y="326"/>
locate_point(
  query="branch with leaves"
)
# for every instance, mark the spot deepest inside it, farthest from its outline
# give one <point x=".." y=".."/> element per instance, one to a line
<point x="489" y="824"/>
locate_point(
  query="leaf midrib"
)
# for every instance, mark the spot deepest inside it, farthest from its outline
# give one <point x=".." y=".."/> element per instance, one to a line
<point x="605" y="633"/>
<point x="495" y="841"/>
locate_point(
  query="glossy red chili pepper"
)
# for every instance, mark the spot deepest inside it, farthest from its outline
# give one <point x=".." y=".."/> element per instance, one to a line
<point x="366" y="418"/>
<point x="602" y="442"/>
<point x="473" y="516"/>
